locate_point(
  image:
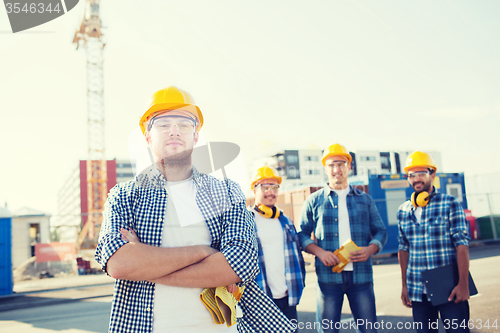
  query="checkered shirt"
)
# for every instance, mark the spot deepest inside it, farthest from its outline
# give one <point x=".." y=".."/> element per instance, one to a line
<point x="295" y="272"/>
<point x="320" y="215"/>
<point x="432" y="242"/>
<point x="140" y="204"/>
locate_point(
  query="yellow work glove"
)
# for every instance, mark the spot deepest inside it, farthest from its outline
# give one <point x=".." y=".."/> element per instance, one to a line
<point x="343" y="253"/>
<point x="221" y="304"/>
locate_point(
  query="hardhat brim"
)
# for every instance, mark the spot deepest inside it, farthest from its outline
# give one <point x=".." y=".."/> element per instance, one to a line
<point x="278" y="178"/>
<point x="420" y="166"/>
<point x="166" y="107"/>
<point x="348" y="156"/>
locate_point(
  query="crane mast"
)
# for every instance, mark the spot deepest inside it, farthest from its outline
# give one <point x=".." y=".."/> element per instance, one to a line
<point x="89" y="36"/>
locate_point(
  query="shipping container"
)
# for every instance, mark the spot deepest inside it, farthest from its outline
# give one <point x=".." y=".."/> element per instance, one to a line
<point x="6" y="282"/>
<point x="390" y="191"/>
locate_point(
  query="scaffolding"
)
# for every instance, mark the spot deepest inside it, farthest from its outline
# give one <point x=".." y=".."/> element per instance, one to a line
<point x="89" y="36"/>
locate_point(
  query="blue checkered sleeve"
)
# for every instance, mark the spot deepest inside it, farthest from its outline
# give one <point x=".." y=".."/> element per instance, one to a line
<point x="294" y="262"/>
<point x="307" y="221"/>
<point x="116" y="215"/>
<point x="239" y="243"/>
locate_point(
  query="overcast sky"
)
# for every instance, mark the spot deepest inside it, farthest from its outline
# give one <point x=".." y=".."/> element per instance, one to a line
<point x="382" y="75"/>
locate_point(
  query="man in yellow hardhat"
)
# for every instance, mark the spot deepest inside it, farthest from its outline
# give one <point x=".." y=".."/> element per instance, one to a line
<point x="433" y="232"/>
<point x="282" y="270"/>
<point x="174" y="231"/>
<point x="336" y="215"/>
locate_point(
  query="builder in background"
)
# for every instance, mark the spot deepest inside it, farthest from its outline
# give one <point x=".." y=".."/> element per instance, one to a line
<point x="335" y="214"/>
<point x="282" y="270"/>
<point x="433" y="232"/>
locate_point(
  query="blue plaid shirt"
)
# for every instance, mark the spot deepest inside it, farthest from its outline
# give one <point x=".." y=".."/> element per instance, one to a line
<point x="140" y="205"/>
<point x="432" y="242"/>
<point x="295" y="272"/>
<point x="320" y="215"/>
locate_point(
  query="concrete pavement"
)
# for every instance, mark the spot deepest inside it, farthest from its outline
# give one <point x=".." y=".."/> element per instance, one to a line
<point x="59" y="290"/>
<point x="50" y="291"/>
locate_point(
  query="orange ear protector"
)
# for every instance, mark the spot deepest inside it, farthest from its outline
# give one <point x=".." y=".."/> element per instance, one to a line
<point x="268" y="212"/>
<point x="421" y="199"/>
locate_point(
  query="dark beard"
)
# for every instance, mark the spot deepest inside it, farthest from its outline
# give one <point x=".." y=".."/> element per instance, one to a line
<point x="426" y="189"/>
<point x="182" y="159"/>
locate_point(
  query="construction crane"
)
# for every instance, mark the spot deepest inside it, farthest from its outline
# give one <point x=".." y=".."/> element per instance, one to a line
<point x="91" y="38"/>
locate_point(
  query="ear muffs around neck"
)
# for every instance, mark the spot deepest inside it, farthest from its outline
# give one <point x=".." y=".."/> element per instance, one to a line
<point x="421" y="199"/>
<point x="268" y="212"/>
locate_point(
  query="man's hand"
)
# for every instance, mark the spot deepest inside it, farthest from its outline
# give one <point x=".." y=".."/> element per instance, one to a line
<point x="461" y="292"/>
<point x="364" y="254"/>
<point x="328" y="258"/>
<point x="405" y="298"/>
<point x="129" y="235"/>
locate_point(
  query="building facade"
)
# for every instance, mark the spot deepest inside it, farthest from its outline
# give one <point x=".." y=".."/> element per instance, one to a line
<point x="29" y="227"/>
<point x="72" y="208"/>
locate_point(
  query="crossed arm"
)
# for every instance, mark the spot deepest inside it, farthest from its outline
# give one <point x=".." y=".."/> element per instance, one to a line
<point x="189" y="266"/>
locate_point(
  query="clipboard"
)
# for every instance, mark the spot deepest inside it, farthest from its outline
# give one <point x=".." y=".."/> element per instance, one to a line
<point x="440" y="281"/>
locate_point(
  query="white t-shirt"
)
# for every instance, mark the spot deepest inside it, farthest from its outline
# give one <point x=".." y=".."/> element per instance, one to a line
<point x="418" y="214"/>
<point x="344" y="226"/>
<point x="272" y="240"/>
<point x="178" y="309"/>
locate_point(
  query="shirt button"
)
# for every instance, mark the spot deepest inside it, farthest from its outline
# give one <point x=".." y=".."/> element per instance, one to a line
<point x="335" y="207"/>
<point x="159" y="220"/>
<point x="335" y="220"/>
<point x="148" y="309"/>
<point x="163" y="195"/>
<point x="336" y="235"/>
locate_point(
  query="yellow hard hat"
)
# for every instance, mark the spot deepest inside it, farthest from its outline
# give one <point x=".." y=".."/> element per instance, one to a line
<point x="419" y="159"/>
<point x="336" y="150"/>
<point x="170" y="99"/>
<point x="265" y="172"/>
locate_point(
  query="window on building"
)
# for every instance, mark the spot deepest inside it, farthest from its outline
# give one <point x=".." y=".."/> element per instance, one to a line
<point x="125" y="174"/>
<point x="385" y="161"/>
<point x="292" y="173"/>
<point x="292" y="159"/>
<point x="281" y="171"/>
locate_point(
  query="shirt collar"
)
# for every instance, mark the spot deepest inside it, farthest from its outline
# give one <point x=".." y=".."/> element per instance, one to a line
<point x="152" y="177"/>
<point x="329" y="190"/>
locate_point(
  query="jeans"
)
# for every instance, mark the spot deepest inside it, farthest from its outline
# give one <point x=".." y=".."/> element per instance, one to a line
<point x="330" y="298"/>
<point x="455" y="316"/>
<point x="289" y="311"/>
